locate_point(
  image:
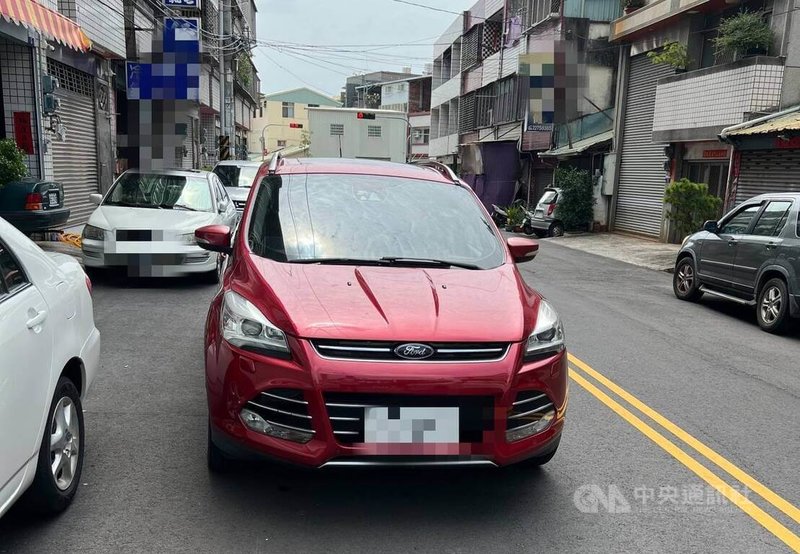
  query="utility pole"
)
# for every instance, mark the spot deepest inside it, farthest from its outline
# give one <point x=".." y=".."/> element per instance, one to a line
<point x="223" y="114"/>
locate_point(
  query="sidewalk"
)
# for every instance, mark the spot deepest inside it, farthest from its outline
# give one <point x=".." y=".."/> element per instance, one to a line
<point x="642" y="252"/>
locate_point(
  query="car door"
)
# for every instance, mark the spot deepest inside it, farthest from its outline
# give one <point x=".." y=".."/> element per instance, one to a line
<point x="26" y="344"/>
<point x="225" y="207"/>
<point x="760" y="244"/>
<point x="715" y="265"/>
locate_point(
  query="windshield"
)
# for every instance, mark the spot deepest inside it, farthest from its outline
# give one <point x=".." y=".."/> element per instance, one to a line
<point x="361" y="218"/>
<point x="236" y="176"/>
<point x="145" y="190"/>
<point x="548" y="197"/>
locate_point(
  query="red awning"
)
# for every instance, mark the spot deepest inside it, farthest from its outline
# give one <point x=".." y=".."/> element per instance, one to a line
<point x="29" y="14"/>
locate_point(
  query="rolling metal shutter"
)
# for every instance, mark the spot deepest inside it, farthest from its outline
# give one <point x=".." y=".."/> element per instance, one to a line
<point x="640" y="196"/>
<point x="75" y="159"/>
<point x="765" y="171"/>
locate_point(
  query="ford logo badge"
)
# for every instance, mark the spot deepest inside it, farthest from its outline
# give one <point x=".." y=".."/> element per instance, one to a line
<point x="414" y="351"/>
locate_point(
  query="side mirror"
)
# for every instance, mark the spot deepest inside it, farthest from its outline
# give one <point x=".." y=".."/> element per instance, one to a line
<point x="96" y="199"/>
<point x="522" y="249"/>
<point x="222" y="207"/>
<point x="711" y="226"/>
<point x="215" y="238"/>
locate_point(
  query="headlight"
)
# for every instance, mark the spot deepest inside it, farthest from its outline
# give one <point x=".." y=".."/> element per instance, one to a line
<point x="548" y="334"/>
<point x="93" y="233"/>
<point x="187" y="238"/>
<point x="244" y="326"/>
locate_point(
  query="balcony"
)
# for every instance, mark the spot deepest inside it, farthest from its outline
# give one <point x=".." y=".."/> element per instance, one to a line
<point x="658" y="12"/>
<point x="699" y="104"/>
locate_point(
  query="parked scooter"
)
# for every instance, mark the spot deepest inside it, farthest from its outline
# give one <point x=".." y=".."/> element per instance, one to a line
<point x="499" y="215"/>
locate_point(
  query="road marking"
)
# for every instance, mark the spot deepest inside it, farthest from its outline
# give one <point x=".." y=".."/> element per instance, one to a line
<point x="762" y="517"/>
<point x="750" y="482"/>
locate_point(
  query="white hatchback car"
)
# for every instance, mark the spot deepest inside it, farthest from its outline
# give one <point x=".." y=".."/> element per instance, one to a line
<point x="49" y="355"/>
<point x="146" y="223"/>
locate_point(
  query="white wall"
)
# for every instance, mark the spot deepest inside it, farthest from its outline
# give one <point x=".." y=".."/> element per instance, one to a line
<point x="356" y="142"/>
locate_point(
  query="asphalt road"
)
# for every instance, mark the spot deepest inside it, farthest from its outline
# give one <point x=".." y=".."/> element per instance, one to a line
<point x="706" y="368"/>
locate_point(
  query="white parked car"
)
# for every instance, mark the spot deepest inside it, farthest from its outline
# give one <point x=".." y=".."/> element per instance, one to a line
<point x="146" y="222"/>
<point x="49" y="355"/>
<point x="238" y="176"/>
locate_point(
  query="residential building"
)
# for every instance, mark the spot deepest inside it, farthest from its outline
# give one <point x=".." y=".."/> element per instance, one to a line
<point x="508" y="76"/>
<point x="363" y="91"/>
<point x="71" y="44"/>
<point x="670" y="118"/>
<point x="281" y="119"/>
<point x="411" y="96"/>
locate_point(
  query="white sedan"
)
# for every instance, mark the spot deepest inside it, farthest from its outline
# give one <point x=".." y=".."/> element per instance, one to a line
<point x="49" y="354"/>
<point x="146" y="223"/>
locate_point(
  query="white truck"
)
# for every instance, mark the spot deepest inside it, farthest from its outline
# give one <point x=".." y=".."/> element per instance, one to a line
<point x="358" y="133"/>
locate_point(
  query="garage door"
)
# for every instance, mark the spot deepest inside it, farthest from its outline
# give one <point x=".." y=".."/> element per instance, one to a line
<point x="640" y="196"/>
<point x="75" y="159"/>
<point x="765" y="171"/>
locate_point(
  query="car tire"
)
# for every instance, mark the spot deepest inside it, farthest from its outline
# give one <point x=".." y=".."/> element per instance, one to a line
<point x="684" y="280"/>
<point x="541" y="459"/>
<point x="556" y="229"/>
<point x="528" y="230"/>
<point x="52" y="491"/>
<point x="772" y="307"/>
<point x="217" y="461"/>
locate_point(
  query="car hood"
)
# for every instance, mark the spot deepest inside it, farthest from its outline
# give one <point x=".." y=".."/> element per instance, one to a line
<point x="395" y="303"/>
<point x="121" y="217"/>
<point x="238" y="194"/>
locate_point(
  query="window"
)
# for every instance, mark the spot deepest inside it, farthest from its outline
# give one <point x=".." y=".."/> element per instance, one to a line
<point x="374" y="131"/>
<point x="281" y="143"/>
<point x="12" y="277"/>
<point x="740" y="222"/>
<point x="287" y="109"/>
<point x="421" y="135"/>
<point x="337" y="129"/>
<point x="773" y="219"/>
<point x="236" y="176"/>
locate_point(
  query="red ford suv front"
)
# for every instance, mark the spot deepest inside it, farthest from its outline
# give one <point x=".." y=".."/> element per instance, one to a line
<point x="371" y="314"/>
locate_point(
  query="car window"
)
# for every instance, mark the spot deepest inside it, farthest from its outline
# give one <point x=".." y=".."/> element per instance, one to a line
<point x="369" y="217"/>
<point x="12" y="276"/>
<point x="740" y="221"/>
<point x="548" y="197"/>
<point x="158" y="191"/>
<point x="773" y="219"/>
<point x="236" y="176"/>
<point x="222" y="194"/>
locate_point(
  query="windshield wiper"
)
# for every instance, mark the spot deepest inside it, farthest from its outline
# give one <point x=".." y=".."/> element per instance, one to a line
<point x="340" y="261"/>
<point x="428" y="261"/>
<point x="179" y="207"/>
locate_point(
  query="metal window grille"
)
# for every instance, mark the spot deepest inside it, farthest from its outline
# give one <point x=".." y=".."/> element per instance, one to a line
<point x="337" y="129"/>
<point x="71" y="79"/>
<point x="466" y="120"/>
<point x="471" y="47"/>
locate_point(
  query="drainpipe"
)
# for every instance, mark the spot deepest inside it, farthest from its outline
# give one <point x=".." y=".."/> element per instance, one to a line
<point x="723" y="136"/>
<point x="36" y="56"/>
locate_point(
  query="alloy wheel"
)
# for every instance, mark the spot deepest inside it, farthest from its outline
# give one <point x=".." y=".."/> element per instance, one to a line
<point x="771" y="304"/>
<point x="64" y="443"/>
<point x="685" y="278"/>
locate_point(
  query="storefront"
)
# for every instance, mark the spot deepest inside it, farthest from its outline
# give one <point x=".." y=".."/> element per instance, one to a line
<point x="706" y="162"/>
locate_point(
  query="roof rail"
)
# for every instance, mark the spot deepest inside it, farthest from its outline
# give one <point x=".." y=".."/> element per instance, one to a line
<point x="444" y="170"/>
<point x="274" y="161"/>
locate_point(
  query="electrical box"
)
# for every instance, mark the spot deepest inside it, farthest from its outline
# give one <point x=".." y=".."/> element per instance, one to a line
<point x="51" y="104"/>
<point x="49" y="84"/>
<point x="609" y="174"/>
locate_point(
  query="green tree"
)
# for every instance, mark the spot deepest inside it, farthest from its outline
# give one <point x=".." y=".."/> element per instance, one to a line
<point x="673" y="54"/>
<point x="575" y="207"/>
<point x="691" y="205"/>
<point x="12" y="162"/>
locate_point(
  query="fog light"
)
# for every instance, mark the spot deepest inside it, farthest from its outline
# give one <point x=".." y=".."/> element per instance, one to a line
<point x="256" y="423"/>
<point x="531" y="428"/>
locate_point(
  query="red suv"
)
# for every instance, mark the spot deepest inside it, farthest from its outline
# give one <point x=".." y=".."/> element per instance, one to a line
<point x="370" y="313"/>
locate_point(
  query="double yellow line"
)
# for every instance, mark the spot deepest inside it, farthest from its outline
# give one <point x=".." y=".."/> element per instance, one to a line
<point x="581" y="373"/>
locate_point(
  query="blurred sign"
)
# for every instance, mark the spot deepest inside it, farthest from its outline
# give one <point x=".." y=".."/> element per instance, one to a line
<point x="723" y="153"/>
<point x="22" y="132"/>
<point x="184" y="4"/>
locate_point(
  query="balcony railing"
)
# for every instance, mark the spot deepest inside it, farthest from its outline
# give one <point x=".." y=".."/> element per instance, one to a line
<point x="584" y="127"/>
<point x="699" y="104"/>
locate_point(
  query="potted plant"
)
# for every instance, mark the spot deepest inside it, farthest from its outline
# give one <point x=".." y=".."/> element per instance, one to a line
<point x="673" y="54"/>
<point x="744" y="34"/>
<point x="515" y="216"/>
<point x="632" y="5"/>
<point x="12" y="162"/>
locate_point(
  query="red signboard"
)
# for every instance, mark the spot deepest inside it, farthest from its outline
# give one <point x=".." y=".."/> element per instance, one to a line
<point x="790" y="143"/>
<point x="22" y="132"/>
<point x="715" y="153"/>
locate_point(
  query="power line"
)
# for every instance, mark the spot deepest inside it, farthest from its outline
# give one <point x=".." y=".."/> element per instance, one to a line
<point x="298" y="77"/>
<point x="432" y="8"/>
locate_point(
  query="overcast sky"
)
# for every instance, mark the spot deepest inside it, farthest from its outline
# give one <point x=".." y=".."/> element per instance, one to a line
<point x="345" y="22"/>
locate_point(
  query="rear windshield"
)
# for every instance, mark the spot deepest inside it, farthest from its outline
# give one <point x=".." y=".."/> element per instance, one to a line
<point x="322" y="216"/>
<point x="236" y="176"/>
<point x="548" y="197"/>
<point x="151" y="190"/>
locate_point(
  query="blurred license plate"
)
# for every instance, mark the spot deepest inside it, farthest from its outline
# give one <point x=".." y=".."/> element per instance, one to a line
<point x="52" y="198"/>
<point x="411" y="425"/>
<point x="538" y="213"/>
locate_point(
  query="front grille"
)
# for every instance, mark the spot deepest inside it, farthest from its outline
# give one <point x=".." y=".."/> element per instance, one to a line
<point x="346" y="412"/>
<point x="385" y="351"/>
<point x="529" y="407"/>
<point x="285" y="408"/>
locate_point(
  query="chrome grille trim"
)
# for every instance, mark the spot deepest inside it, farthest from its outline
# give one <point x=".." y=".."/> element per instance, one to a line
<point x="520" y="402"/>
<point x="290" y="427"/>
<point x="527" y="410"/>
<point x="384" y="352"/>
<point x="534" y="411"/>
<point x="264" y="393"/>
<point x="353" y="348"/>
<point x="283" y="408"/>
<point x="276" y="410"/>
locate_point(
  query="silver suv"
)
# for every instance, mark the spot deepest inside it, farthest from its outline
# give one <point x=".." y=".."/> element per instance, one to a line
<point x="751" y="256"/>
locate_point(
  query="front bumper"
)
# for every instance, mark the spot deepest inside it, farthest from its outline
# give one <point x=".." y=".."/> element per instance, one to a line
<point x="234" y="377"/>
<point x="148" y="259"/>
